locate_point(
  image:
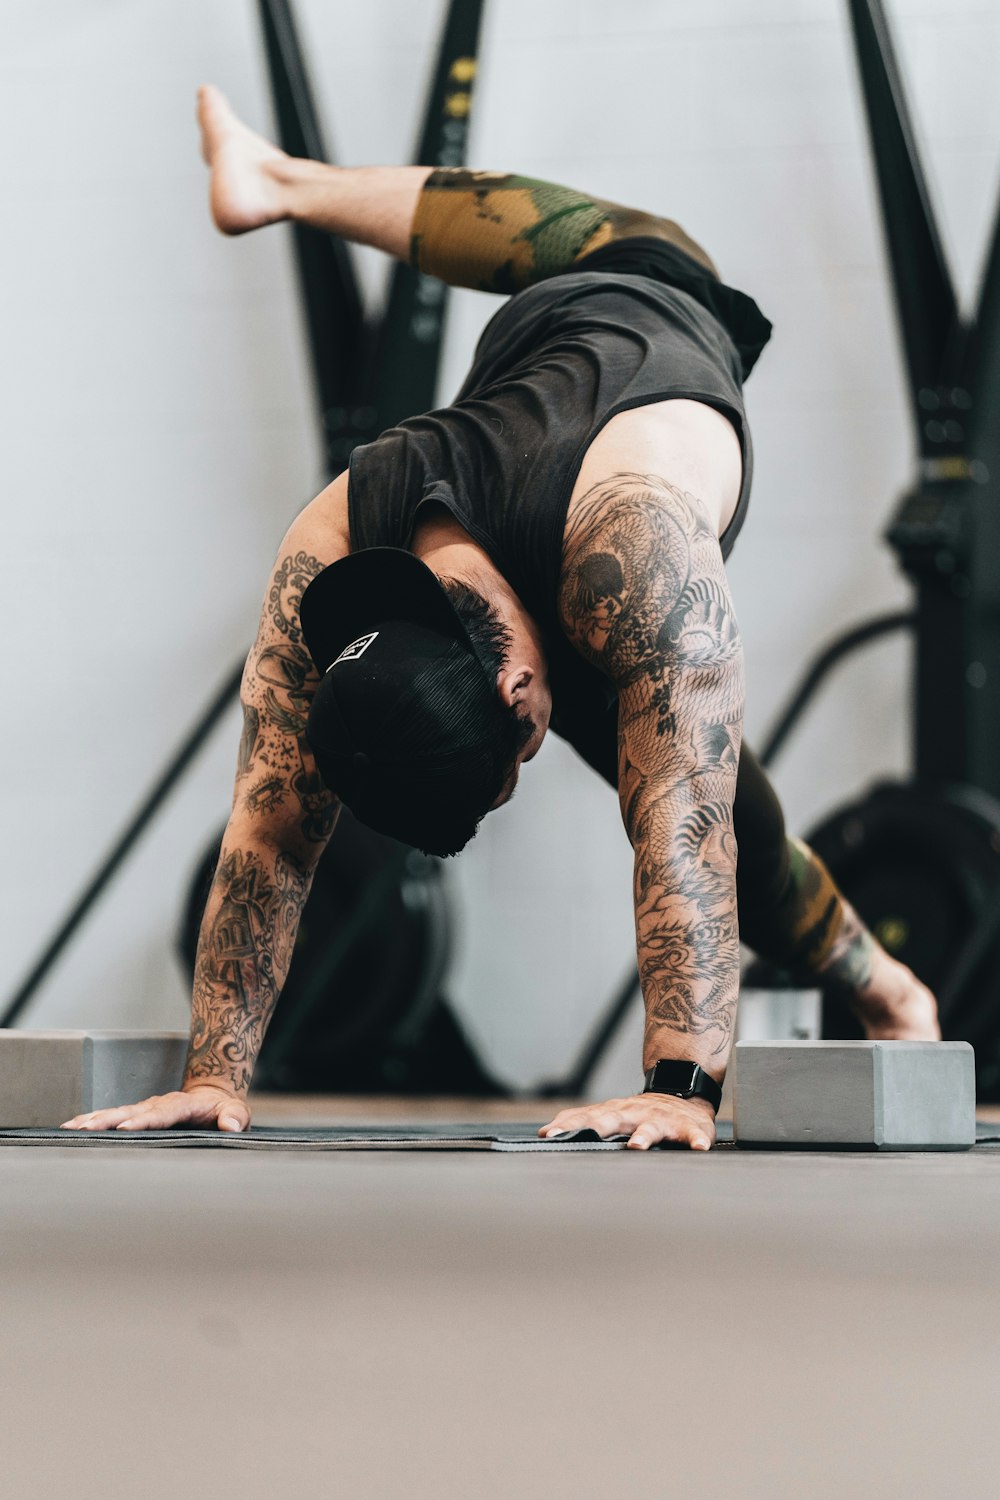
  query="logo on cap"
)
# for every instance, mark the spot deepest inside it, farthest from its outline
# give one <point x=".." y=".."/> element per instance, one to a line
<point x="355" y="649"/>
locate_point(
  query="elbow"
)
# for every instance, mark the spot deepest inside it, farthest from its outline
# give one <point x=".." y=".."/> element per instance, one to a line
<point x="302" y="832"/>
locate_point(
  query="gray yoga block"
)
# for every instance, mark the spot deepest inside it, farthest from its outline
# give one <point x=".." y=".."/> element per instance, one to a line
<point x="875" y="1096"/>
<point x="47" y="1077"/>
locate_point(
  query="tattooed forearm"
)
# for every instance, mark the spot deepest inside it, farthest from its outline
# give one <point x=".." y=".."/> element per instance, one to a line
<point x="644" y="598"/>
<point x="244" y="953"/>
<point x="686" y="930"/>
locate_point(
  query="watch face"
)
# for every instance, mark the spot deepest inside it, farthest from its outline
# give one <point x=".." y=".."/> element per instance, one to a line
<point x="673" y="1078"/>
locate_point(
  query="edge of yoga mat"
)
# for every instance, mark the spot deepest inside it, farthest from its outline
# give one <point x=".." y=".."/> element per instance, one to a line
<point x="451" y="1137"/>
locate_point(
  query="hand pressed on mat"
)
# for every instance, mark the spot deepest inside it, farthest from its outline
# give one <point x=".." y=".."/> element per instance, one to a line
<point x="647" y="1119"/>
<point x="199" y="1105"/>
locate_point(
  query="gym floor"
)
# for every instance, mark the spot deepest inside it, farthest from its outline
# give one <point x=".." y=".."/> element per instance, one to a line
<point x="376" y="1324"/>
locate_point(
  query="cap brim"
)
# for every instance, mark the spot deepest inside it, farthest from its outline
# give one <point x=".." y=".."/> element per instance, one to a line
<point x="353" y="595"/>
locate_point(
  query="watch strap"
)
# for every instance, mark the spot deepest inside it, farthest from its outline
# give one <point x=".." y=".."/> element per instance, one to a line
<point x="685" y="1080"/>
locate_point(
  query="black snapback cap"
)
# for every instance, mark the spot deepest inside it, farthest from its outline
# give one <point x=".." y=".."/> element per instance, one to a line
<point x="378" y="583"/>
<point x="395" y="714"/>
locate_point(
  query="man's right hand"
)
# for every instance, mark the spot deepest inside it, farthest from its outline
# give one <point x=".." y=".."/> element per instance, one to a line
<point x="200" y="1105"/>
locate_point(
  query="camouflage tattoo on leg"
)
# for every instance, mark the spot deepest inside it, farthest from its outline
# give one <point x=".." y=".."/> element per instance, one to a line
<point x="644" y="597"/>
<point x="497" y="232"/>
<point x="815" y="929"/>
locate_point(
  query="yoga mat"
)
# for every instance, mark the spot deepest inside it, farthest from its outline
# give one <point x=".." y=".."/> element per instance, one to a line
<point x="449" y="1137"/>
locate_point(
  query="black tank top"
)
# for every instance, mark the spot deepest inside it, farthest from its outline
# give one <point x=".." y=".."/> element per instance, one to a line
<point x="639" y="322"/>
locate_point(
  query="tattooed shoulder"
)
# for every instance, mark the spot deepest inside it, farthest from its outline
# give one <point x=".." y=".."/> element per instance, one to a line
<point x="642" y="576"/>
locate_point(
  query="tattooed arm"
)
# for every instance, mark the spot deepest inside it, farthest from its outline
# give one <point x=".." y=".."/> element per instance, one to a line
<point x="282" y="817"/>
<point x="644" y="598"/>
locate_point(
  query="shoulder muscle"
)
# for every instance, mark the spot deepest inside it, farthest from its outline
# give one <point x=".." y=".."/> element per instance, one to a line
<point x="644" y="598"/>
<point x="643" y="577"/>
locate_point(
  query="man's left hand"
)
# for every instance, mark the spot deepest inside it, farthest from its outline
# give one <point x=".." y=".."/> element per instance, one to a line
<point x="647" y="1119"/>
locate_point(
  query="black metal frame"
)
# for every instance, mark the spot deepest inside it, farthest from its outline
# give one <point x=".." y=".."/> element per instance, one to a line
<point x="946" y="530"/>
<point x="367" y="374"/>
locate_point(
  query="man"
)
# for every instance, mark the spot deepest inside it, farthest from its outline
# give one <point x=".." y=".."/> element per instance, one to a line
<point x="547" y="551"/>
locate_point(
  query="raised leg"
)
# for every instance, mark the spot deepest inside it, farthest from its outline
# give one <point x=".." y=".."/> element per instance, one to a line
<point x="495" y="231"/>
<point x="253" y="183"/>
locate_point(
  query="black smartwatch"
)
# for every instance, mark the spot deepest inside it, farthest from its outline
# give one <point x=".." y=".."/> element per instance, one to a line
<point x="686" y="1080"/>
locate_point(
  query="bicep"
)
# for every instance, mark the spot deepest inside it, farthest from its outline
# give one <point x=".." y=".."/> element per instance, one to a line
<point x="644" y="598"/>
<point x="278" y="792"/>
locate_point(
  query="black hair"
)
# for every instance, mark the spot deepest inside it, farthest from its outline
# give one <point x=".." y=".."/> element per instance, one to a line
<point x="484" y="627"/>
<point x="498" y="731"/>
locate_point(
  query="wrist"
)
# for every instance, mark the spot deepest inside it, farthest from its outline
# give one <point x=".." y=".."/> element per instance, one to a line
<point x="683" y="1078"/>
<point x="220" y="1086"/>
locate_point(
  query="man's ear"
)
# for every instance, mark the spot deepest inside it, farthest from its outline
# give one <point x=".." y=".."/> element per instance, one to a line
<point x="513" y="683"/>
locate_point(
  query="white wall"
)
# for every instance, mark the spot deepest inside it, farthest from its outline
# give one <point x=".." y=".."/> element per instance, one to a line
<point x="158" y="433"/>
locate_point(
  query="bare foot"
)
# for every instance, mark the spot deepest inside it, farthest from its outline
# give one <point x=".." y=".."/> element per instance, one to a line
<point x="894" y="1005"/>
<point x="246" y="192"/>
